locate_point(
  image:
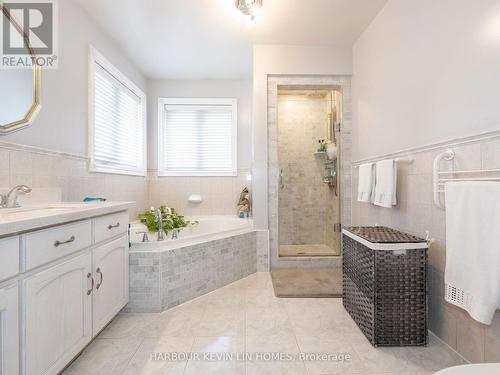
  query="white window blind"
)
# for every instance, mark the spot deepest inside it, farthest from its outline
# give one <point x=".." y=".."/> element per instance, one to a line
<point x="198" y="138"/>
<point x="118" y="131"/>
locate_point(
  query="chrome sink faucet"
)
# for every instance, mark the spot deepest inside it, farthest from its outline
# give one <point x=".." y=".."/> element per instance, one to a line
<point x="9" y="200"/>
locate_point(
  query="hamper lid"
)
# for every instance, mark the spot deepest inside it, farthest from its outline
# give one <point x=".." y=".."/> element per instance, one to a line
<point x="381" y="234"/>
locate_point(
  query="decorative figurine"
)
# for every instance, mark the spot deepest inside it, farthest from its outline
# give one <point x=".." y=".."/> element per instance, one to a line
<point x="244" y="203"/>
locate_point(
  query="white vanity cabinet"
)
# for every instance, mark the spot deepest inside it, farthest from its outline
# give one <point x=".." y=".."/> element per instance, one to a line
<point x="110" y="265"/>
<point x="58" y="307"/>
<point x="9" y="330"/>
<point x="47" y="245"/>
<point x="59" y="287"/>
<point x="9" y="258"/>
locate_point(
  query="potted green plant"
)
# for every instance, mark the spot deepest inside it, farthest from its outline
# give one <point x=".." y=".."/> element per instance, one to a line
<point x="171" y="220"/>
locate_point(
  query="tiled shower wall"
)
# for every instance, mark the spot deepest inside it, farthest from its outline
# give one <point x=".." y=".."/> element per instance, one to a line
<point x="47" y="169"/>
<point x="344" y="82"/>
<point x="416" y="213"/>
<point x="308" y="207"/>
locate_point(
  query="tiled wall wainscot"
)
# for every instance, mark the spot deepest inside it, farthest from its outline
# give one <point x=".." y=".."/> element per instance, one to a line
<point x="220" y="194"/>
<point x="416" y="213"/>
<point x="46" y="169"/>
<point x="160" y="280"/>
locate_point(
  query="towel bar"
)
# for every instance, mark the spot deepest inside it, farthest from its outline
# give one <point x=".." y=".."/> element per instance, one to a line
<point x="406" y="159"/>
<point x="455" y="175"/>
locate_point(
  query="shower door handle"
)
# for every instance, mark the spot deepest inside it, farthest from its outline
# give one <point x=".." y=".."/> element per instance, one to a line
<point x="281" y="173"/>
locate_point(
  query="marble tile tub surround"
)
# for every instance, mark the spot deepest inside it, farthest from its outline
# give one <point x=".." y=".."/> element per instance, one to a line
<point x="245" y="316"/>
<point x="160" y="280"/>
<point x="39" y="168"/>
<point x="415" y="214"/>
<point x="344" y="82"/>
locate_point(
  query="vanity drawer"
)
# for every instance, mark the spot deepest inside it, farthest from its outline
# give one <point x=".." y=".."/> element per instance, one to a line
<point x="9" y="257"/>
<point x="49" y="244"/>
<point x="109" y="226"/>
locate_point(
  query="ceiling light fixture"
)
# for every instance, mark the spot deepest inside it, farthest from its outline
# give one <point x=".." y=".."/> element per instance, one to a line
<point x="250" y="9"/>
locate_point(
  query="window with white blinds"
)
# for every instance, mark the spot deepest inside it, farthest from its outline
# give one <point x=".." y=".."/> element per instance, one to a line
<point x="118" y="124"/>
<point x="197" y="137"/>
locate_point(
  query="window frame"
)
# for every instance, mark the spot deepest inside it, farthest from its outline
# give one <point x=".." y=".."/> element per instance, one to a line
<point x="95" y="57"/>
<point x="163" y="102"/>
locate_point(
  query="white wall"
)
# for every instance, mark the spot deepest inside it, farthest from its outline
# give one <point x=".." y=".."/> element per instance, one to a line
<point x="424" y="72"/>
<point x="284" y="60"/>
<point x="242" y="90"/>
<point x="62" y="123"/>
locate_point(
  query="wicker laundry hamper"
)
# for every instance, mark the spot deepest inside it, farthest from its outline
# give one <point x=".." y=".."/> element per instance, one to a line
<point x="385" y="285"/>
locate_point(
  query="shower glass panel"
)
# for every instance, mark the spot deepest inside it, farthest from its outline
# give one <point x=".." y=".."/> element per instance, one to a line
<point x="309" y="188"/>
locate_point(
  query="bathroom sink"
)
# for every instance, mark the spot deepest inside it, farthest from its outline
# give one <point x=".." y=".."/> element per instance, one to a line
<point x="34" y="216"/>
<point x="22" y="213"/>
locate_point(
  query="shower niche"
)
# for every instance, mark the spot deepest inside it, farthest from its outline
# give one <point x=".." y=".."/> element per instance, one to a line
<point x="309" y="125"/>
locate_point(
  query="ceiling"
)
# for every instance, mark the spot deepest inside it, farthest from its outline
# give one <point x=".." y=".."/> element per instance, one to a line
<point x="205" y="39"/>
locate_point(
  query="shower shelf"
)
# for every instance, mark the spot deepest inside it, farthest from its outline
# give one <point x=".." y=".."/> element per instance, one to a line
<point x="330" y="177"/>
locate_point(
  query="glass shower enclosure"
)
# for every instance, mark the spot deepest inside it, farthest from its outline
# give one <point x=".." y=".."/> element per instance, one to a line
<point x="309" y="121"/>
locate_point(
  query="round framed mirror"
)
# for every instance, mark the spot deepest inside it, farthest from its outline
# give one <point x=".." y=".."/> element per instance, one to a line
<point x="19" y="87"/>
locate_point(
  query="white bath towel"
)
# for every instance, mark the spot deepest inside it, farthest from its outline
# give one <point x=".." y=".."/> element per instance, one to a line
<point x="472" y="273"/>
<point x="366" y="182"/>
<point x="386" y="178"/>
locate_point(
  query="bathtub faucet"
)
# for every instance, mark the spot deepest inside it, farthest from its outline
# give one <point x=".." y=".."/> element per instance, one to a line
<point x="175" y="234"/>
<point x="159" y="219"/>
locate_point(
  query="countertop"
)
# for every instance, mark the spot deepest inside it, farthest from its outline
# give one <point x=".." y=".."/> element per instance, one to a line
<point x="29" y="218"/>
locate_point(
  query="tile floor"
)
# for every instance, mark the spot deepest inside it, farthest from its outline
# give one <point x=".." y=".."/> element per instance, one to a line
<point x="246" y="317"/>
<point x="307" y="282"/>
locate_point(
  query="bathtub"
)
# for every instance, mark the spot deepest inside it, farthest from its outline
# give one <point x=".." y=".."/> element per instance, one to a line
<point x="209" y="228"/>
<point x="163" y="274"/>
<point x="474" y="369"/>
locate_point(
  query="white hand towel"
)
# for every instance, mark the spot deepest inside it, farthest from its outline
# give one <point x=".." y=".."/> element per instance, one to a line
<point x="472" y="273"/>
<point x="366" y="182"/>
<point x="386" y="177"/>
